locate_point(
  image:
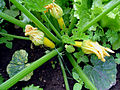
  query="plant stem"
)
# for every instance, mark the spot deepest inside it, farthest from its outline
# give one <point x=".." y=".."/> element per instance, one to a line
<point x="101" y="15"/>
<point x="72" y="24"/>
<point x="14" y="36"/>
<point x="80" y="72"/>
<point x="54" y="29"/>
<point x="12" y="20"/>
<point x="64" y="74"/>
<point x="36" y="21"/>
<point x="13" y="80"/>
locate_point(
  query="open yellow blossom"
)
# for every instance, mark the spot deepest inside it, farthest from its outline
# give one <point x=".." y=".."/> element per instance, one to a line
<point x="89" y="47"/>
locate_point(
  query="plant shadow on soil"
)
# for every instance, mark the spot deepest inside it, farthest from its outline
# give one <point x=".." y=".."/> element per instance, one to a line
<point x="45" y="76"/>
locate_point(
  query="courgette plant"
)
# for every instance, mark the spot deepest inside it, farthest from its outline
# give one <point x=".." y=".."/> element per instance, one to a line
<point x="87" y="22"/>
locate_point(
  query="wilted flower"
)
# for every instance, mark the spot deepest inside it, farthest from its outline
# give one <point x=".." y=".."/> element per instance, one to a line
<point x="36" y="36"/>
<point x="89" y="47"/>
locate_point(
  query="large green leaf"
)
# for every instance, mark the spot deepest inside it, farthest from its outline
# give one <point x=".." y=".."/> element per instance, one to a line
<point x="37" y="5"/>
<point x="19" y="62"/>
<point x="102" y="74"/>
<point x="82" y="13"/>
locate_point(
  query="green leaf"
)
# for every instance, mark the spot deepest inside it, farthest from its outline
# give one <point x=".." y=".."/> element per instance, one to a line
<point x="67" y="39"/>
<point x="78" y="35"/>
<point x="82" y="13"/>
<point x="81" y="57"/>
<point x="96" y="35"/>
<point x="20" y="1"/>
<point x="5" y="39"/>
<point x="117" y="60"/>
<point x="18" y="63"/>
<point x="1" y="79"/>
<point x="2" y="5"/>
<point x="113" y="24"/>
<point x="13" y="11"/>
<point x="3" y="31"/>
<point x="97" y="7"/>
<point x="37" y="5"/>
<point x="112" y="19"/>
<point x="102" y="74"/>
<point x="77" y="86"/>
<point x="32" y="87"/>
<point x="9" y="45"/>
<point x="69" y="48"/>
<point x="24" y="18"/>
<point x="75" y="76"/>
<point x="114" y="39"/>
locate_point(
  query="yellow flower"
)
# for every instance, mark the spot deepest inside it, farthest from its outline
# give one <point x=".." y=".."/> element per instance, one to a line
<point x="57" y="12"/>
<point x="89" y="47"/>
<point x="37" y="37"/>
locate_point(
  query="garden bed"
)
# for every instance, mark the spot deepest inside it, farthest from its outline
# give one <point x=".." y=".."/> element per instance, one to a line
<point x="75" y="47"/>
<point x="45" y="76"/>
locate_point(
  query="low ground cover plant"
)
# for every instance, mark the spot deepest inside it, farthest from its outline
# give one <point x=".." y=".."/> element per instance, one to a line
<point x="85" y="31"/>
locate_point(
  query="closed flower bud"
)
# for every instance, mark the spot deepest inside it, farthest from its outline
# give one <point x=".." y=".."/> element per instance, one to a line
<point x="56" y="11"/>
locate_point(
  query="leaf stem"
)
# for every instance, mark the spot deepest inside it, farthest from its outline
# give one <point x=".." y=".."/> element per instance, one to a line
<point x="14" y="36"/>
<point x="72" y="24"/>
<point x="13" y="80"/>
<point x="12" y="20"/>
<point x="54" y="29"/>
<point x="101" y="15"/>
<point x="80" y="72"/>
<point x="64" y="74"/>
<point x="36" y="21"/>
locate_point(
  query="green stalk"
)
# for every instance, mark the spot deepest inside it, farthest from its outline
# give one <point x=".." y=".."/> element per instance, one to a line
<point x="14" y="36"/>
<point x="64" y="74"/>
<point x="80" y="72"/>
<point x="54" y="29"/>
<point x="12" y="20"/>
<point x="101" y="15"/>
<point x="72" y="24"/>
<point x="13" y="80"/>
<point x="36" y="21"/>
